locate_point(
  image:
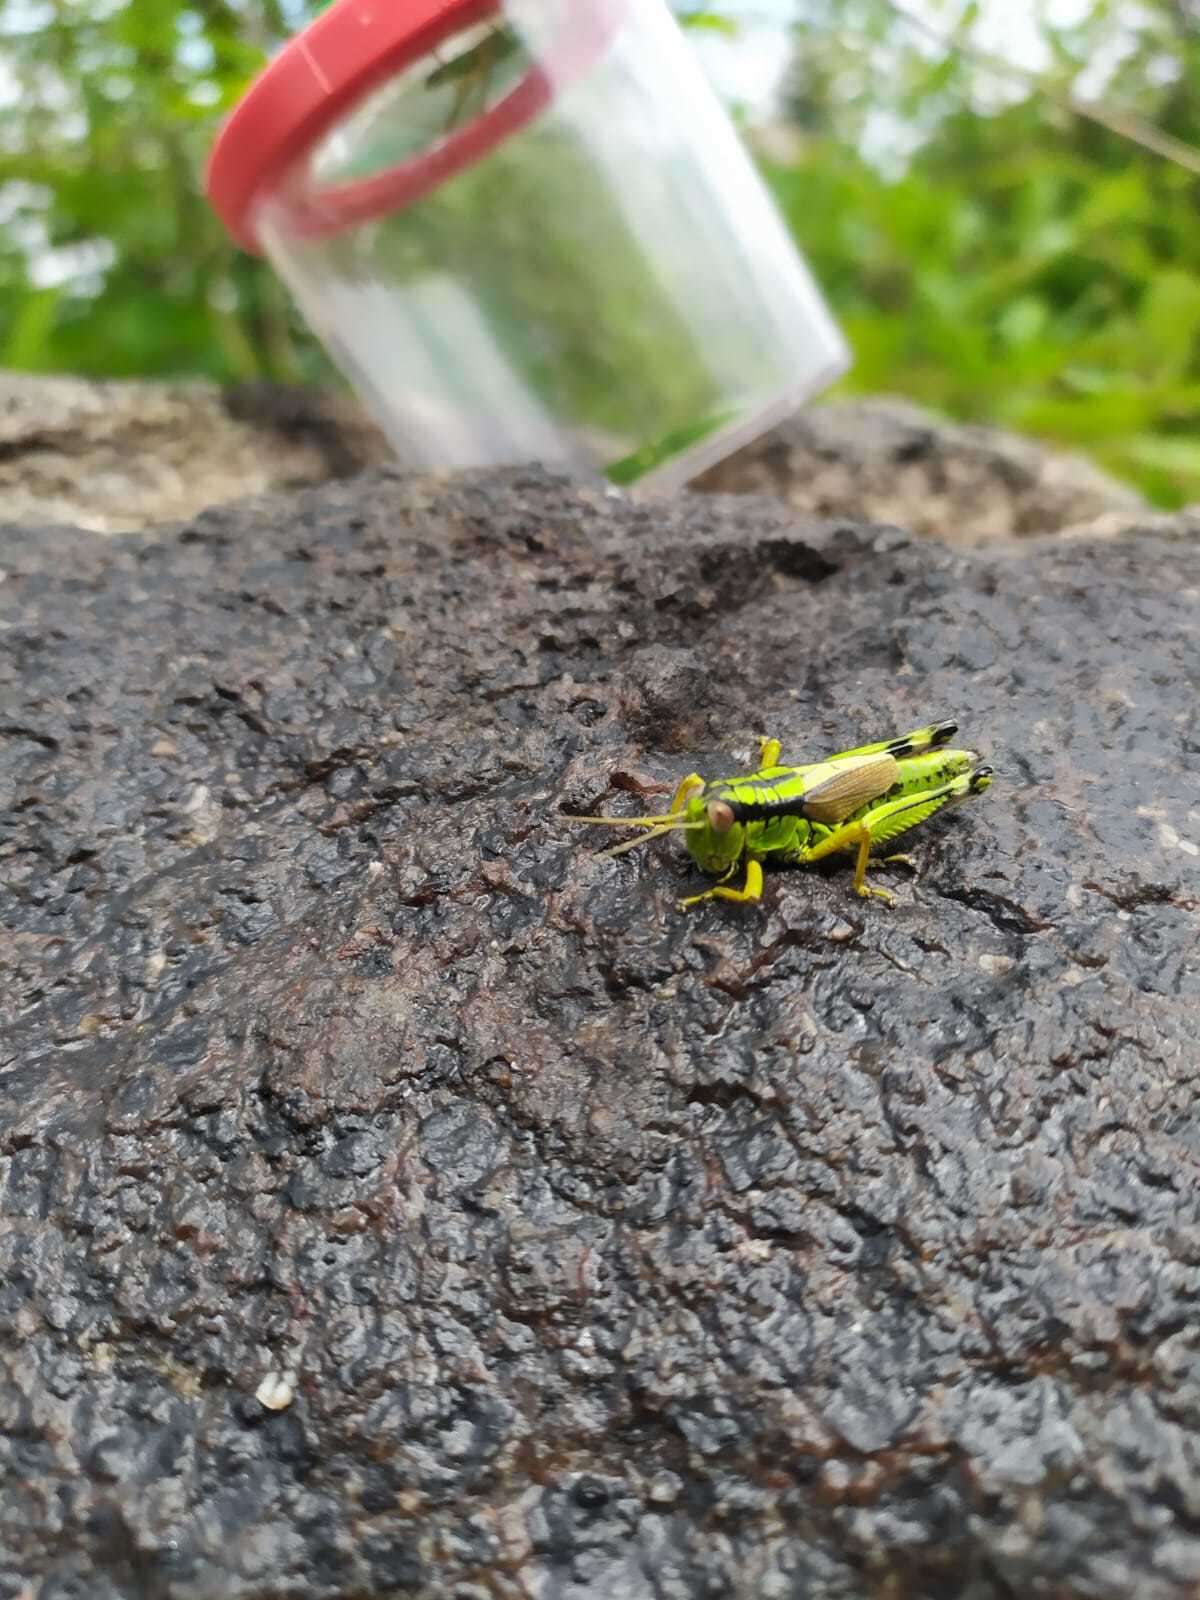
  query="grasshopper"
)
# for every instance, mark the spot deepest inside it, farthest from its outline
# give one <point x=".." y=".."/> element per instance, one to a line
<point x="855" y="800"/>
<point x="470" y="72"/>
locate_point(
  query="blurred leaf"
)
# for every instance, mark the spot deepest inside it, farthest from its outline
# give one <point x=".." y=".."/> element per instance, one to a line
<point x="1178" y="457"/>
<point x="639" y="462"/>
<point x="1023" y="322"/>
<point x="29" y="335"/>
<point x="1170" y="320"/>
<point x="709" y="21"/>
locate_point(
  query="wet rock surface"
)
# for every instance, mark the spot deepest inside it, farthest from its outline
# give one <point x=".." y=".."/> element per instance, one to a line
<point x="399" y="1200"/>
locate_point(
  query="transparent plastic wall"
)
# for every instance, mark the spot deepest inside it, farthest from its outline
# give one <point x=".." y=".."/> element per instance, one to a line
<point x="606" y="286"/>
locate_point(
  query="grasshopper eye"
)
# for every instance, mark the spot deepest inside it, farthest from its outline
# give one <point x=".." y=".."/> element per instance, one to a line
<point x="720" y="816"/>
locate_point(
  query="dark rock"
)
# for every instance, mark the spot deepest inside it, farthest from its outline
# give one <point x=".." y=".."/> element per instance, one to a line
<point x="590" y="1249"/>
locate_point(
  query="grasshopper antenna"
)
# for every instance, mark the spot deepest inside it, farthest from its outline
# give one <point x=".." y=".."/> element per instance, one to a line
<point x="645" y="838"/>
<point x="672" y="822"/>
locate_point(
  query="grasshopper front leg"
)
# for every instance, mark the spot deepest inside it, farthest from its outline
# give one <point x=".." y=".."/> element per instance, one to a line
<point x="750" y="893"/>
<point x="687" y="787"/>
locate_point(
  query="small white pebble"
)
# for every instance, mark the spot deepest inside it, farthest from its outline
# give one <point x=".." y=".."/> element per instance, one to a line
<point x="374" y="868"/>
<point x="840" y="933"/>
<point x="277" y="1391"/>
<point x="154" y="966"/>
<point x="1189" y="847"/>
<point x="198" y="798"/>
<point x="996" y="964"/>
<point x="664" y="1489"/>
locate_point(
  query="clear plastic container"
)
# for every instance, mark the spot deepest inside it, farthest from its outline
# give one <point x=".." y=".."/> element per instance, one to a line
<point x="527" y="231"/>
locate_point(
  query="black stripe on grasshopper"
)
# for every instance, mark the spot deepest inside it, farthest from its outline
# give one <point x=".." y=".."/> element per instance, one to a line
<point x="822" y="793"/>
<point x="762" y="810"/>
<point x="939" y="734"/>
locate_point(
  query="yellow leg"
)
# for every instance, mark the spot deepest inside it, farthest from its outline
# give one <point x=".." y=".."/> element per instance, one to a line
<point x="888" y="819"/>
<point x="905" y="860"/>
<point x="768" y="753"/>
<point x="846" y="838"/>
<point x="749" y="893"/>
<point x="687" y="785"/>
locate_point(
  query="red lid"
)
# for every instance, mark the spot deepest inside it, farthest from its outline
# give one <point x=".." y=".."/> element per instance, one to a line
<point x="348" y="51"/>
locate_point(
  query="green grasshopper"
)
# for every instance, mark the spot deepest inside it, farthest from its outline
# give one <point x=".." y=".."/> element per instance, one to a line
<point x="854" y="800"/>
<point x="471" y="71"/>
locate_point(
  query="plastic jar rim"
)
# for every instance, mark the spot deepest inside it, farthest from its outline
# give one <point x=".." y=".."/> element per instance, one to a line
<point x="344" y="53"/>
<point x="324" y="71"/>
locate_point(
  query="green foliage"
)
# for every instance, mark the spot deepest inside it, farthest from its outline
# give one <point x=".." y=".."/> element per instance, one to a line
<point x="1023" y="265"/>
<point x="111" y="262"/>
<point x="988" y="252"/>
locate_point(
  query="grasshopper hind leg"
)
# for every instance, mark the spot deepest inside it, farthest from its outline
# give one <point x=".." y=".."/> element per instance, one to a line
<point x="882" y="823"/>
<point x="931" y="737"/>
<point x="919" y="742"/>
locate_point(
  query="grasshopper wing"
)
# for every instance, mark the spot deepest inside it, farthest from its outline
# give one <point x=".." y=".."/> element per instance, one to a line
<point x="853" y="781"/>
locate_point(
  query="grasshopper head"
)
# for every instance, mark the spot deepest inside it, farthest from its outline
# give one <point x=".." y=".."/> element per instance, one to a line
<point x="714" y="836"/>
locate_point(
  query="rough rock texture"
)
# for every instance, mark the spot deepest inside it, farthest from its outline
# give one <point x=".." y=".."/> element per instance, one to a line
<point x="891" y="461"/>
<point x="810" y="1251"/>
<point x="122" y="456"/>
<point x="118" y="456"/>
